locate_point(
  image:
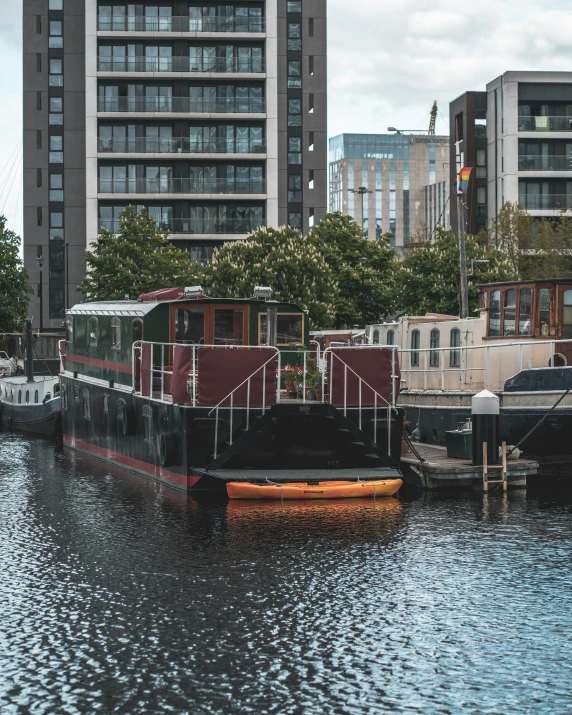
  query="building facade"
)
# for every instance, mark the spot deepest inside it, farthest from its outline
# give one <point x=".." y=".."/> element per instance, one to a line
<point x="529" y="142"/>
<point x="468" y="147"/>
<point x="391" y="183"/>
<point x="211" y="115"/>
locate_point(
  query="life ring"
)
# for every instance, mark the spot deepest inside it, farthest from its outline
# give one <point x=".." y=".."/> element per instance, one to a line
<point x="169" y="450"/>
<point x="128" y="422"/>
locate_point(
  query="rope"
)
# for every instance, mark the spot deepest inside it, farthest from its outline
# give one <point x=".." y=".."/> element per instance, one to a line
<point x="541" y="421"/>
<point x="411" y="447"/>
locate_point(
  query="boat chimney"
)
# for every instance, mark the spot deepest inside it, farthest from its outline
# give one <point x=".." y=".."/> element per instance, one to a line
<point x="271" y="325"/>
<point x="29" y="352"/>
<point x="485" y="410"/>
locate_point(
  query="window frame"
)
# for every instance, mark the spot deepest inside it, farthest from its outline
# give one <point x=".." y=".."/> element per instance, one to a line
<point x="434" y="354"/>
<point x="93" y="335"/>
<point x="115" y="329"/>
<point x="282" y="345"/>
<point x="455" y="349"/>
<point x="414" y="359"/>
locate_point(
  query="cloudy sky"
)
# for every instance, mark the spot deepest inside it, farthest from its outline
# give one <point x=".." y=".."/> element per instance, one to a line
<point x="388" y="61"/>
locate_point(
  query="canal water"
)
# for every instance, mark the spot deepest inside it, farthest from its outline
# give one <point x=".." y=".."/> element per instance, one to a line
<point x="117" y="596"/>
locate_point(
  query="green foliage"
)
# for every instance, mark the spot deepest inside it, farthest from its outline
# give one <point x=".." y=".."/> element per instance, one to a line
<point x="14" y="287"/>
<point x="512" y="233"/>
<point x="429" y="277"/>
<point x="282" y="259"/>
<point x="549" y="253"/>
<point x="137" y="260"/>
<point x="343" y="243"/>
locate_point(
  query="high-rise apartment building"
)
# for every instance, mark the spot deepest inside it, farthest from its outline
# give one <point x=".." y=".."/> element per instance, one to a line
<point x="213" y="115"/>
<point x="391" y="183"/>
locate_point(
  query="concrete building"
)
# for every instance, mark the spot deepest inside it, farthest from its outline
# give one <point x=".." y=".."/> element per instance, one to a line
<point x="212" y="115"/>
<point x="529" y="142"/>
<point x="403" y="179"/>
<point x="468" y="147"/>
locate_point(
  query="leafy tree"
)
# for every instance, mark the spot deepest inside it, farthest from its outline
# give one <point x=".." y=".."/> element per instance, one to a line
<point x="429" y="277"/>
<point x="282" y="259"/>
<point x="14" y="287"/>
<point x="343" y="243"/>
<point x="137" y="260"/>
<point x="512" y="233"/>
<point x="549" y="254"/>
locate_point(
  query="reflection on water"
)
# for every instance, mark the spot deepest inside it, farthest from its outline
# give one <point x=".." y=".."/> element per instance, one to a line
<point x="119" y="596"/>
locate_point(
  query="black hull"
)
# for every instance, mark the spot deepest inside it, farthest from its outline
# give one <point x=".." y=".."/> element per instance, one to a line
<point x="175" y="444"/>
<point x="43" y="420"/>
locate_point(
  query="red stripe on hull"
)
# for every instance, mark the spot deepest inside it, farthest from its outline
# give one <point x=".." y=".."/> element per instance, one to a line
<point x="172" y="479"/>
<point x="104" y="364"/>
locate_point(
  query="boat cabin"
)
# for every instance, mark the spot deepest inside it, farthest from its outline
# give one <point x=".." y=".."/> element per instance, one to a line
<point x="100" y="336"/>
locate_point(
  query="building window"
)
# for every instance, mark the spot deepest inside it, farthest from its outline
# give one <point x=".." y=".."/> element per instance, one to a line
<point x="56" y="41"/>
<point x="294" y="74"/>
<point x="415" y="341"/>
<point x="295" y="221"/>
<point x="147" y="419"/>
<point x="311" y="65"/>
<point x="56" y="5"/>
<point x="93" y="332"/>
<point x="294" y="150"/>
<point x="56" y="187"/>
<point x="56" y="116"/>
<point x="56" y="78"/>
<point x="310" y="104"/>
<point x="38" y="62"/>
<point x="294" y="5"/>
<point x="86" y="404"/>
<point x="495" y="313"/>
<point x="434" y="345"/>
<point x="310" y="141"/>
<point x="390" y="337"/>
<point x="56" y="226"/>
<point x="39" y="178"/>
<point x="294" y="37"/>
<point x="311" y="179"/>
<point x="56" y="303"/>
<point x="481" y="195"/>
<point x="56" y="155"/>
<point x="38" y="24"/>
<point x="57" y="265"/>
<point x="311" y="218"/>
<point x="39" y="215"/>
<point x="311" y="27"/>
<point x="116" y="334"/>
<point x="455" y="355"/>
<point x="481" y="164"/>
<point x="294" y="112"/>
<point x="295" y="188"/>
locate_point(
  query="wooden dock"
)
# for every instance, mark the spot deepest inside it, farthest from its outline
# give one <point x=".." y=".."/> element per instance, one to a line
<point x="436" y="470"/>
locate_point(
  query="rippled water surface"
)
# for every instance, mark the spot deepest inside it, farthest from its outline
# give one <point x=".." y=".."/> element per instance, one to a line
<point x="119" y="596"/>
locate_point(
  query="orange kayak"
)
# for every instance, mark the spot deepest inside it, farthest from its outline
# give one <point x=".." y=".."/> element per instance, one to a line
<point x="323" y="490"/>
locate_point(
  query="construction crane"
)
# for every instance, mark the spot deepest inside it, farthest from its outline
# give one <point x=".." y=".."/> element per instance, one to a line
<point x="433" y="119"/>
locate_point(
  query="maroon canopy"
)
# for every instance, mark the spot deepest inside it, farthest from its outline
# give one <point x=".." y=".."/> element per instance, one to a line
<point x="221" y="370"/>
<point x="182" y="365"/>
<point x="146" y="370"/>
<point x="372" y="365"/>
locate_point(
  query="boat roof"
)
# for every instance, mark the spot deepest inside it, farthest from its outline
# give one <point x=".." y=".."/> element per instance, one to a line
<point x="520" y="283"/>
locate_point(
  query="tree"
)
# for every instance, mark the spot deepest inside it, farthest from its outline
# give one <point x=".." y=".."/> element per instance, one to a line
<point x="137" y="260"/>
<point x="550" y="252"/>
<point x="14" y="287"/>
<point x="282" y="259"/>
<point x="512" y="233"/>
<point x="429" y="277"/>
<point x="343" y="243"/>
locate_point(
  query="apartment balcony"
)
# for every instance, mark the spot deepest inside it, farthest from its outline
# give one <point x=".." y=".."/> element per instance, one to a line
<point x="183" y="64"/>
<point x="184" y="24"/>
<point x="181" y="146"/>
<point x="201" y="226"/>
<point x="544" y="163"/>
<point x="545" y="124"/>
<point x="178" y="187"/>
<point x="182" y="105"/>
<point x="545" y="202"/>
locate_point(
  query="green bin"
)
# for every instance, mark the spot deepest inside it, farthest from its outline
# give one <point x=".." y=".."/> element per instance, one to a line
<point x="459" y="444"/>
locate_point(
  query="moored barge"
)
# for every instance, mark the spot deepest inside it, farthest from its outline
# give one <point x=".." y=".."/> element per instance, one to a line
<point x="190" y="391"/>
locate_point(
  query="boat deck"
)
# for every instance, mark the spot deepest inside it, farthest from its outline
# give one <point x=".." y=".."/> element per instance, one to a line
<point x="436" y="469"/>
<point x="282" y="476"/>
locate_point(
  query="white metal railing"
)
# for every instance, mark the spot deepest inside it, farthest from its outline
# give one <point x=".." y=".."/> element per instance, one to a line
<point x="62" y="354"/>
<point x="417" y="361"/>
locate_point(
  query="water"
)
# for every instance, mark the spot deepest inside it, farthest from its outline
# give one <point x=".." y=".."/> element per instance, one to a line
<point x="117" y="596"/>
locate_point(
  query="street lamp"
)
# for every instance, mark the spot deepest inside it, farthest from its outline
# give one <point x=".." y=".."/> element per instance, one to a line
<point x="363" y="261"/>
<point x="66" y="272"/>
<point x="41" y="260"/>
<point x="361" y="191"/>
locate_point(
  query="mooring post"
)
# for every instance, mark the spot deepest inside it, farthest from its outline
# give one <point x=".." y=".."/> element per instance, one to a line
<point x="485" y="468"/>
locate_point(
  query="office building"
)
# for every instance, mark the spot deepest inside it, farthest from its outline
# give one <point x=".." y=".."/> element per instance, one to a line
<point x="529" y="142"/>
<point x="468" y="147"/>
<point x="211" y="115"/>
<point x="391" y="183"/>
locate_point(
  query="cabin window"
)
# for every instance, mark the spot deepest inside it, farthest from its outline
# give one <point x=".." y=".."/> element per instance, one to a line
<point x="455" y="355"/>
<point x="19" y="396"/>
<point x="76" y="393"/>
<point x="390" y="337"/>
<point x="147" y="417"/>
<point x="64" y="397"/>
<point x="509" y="313"/>
<point x="115" y="333"/>
<point x="86" y="404"/>
<point x="137" y="330"/>
<point x="228" y="326"/>
<point x="120" y="410"/>
<point x="376" y="337"/>
<point x="69" y="330"/>
<point x="567" y="315"/>
<point x="494" y="313"/>
<point x="525" y="312"/>
<point x="434" y="345"/>
<point x="36" y="397"/>
<point x="93" y="330"/>
<point x="289" y="329"/>
<point x="27" y="397"/>
<point x="415" y="342"/>
<point x="544" y="311"/>
<point x="106" y="404"/>
<point x="190" y="326"/>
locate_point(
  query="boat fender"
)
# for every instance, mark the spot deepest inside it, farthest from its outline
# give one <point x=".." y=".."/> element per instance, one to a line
<point x="128" y="421"/>
<point x="169" y="450"/>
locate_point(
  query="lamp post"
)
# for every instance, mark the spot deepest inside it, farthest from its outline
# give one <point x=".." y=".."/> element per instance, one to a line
<point x="361" y="191"/>
<point x="66" y="272"/>
<point x="41" y="260"/>
<point x="363" y="261"/>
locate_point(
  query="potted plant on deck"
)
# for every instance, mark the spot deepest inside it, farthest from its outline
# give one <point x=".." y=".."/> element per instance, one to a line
<point x="290" y="374"/>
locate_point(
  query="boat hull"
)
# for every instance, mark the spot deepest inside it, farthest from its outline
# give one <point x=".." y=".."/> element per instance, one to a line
<point x="323" y="490"/>
<point x="43" y="419"/>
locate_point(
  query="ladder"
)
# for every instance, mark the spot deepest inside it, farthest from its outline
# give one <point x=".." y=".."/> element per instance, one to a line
<point x="487" y="467"/>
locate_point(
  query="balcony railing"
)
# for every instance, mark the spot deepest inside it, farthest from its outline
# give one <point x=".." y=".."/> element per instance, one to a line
<point x="528" y="162"/>
<point x="238" y="65"/>
<point x="539" y="202"/>
<point x="194" y="225"/>
<point x="205" y="23"/>
<point x="182" y="145"/>
<point x="184" y="105"/>
<point x="182" y="186"/>
<point x="545" y="124"/>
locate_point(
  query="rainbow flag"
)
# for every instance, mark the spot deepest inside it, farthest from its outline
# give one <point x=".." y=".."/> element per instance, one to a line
<point x="464" y="176"/>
